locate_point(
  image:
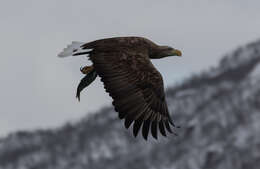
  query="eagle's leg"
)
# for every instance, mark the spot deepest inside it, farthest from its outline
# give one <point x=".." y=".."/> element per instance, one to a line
<point x="86" y="69"/>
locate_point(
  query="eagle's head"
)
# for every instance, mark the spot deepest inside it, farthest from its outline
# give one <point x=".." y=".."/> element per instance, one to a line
<point x="169" y="51"/>
<point x="165" y="51"/>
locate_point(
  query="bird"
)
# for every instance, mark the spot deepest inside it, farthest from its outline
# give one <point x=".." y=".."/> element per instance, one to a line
<point x="135" y="85"/>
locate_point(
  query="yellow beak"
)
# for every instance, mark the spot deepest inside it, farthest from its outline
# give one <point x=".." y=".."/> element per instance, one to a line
<point x="177" y="52"/>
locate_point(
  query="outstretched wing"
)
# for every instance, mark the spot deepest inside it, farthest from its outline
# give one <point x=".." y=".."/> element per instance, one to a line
<point x="136" y="88"/>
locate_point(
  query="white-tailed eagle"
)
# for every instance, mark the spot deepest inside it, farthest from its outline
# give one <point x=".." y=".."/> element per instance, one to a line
<point x="130" y="78"/>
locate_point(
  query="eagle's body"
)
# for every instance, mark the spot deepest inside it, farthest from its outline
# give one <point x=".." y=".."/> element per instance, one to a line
<point x="130" y="78"/>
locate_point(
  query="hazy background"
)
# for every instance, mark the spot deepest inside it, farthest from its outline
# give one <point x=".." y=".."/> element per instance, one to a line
<point x="38" y="88"/>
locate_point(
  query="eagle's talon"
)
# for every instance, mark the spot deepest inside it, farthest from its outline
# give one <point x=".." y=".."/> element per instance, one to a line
<point x="86" y="69"/>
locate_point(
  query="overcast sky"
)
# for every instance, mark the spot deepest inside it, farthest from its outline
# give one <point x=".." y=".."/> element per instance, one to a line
<point x="38" y="89"/>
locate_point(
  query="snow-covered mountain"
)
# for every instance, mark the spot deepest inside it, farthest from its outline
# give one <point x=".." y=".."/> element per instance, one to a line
<point x="218" y="110"/>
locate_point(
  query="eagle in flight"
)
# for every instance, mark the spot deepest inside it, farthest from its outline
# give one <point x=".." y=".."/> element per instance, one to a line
<point x="130" y="78"/>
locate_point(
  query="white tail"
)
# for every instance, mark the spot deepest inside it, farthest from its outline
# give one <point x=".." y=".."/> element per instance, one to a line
<point x="72" y="49"/>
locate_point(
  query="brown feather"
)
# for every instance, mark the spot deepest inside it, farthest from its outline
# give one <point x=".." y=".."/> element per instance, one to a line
<point x="128" y="99"/>
<point x="137" y="125"/>
<point x="135" y="112"/>
<point x="148" y="114"/>
<point x="168" y="127"/>
<point x="130" y="117"/>
<point x="161" y="128"/>
<point x="154" y="129"/>
<point x="146" y="127"/>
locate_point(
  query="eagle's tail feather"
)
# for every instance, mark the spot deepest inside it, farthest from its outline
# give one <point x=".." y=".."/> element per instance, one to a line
<point x="74" y="49"/>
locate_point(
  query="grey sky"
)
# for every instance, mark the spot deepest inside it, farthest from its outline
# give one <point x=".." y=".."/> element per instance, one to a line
<point x="38" y="88"/>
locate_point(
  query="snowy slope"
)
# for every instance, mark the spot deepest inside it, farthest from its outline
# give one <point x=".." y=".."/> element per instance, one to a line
<point x="219" y="111"/>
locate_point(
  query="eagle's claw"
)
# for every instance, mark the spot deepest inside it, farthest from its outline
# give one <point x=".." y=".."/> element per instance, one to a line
<point x="86" y="69"/>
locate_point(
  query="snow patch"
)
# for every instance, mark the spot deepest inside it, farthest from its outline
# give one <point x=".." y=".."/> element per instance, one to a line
<point x="256" y="71"/>
<point x="187" y="92"/>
